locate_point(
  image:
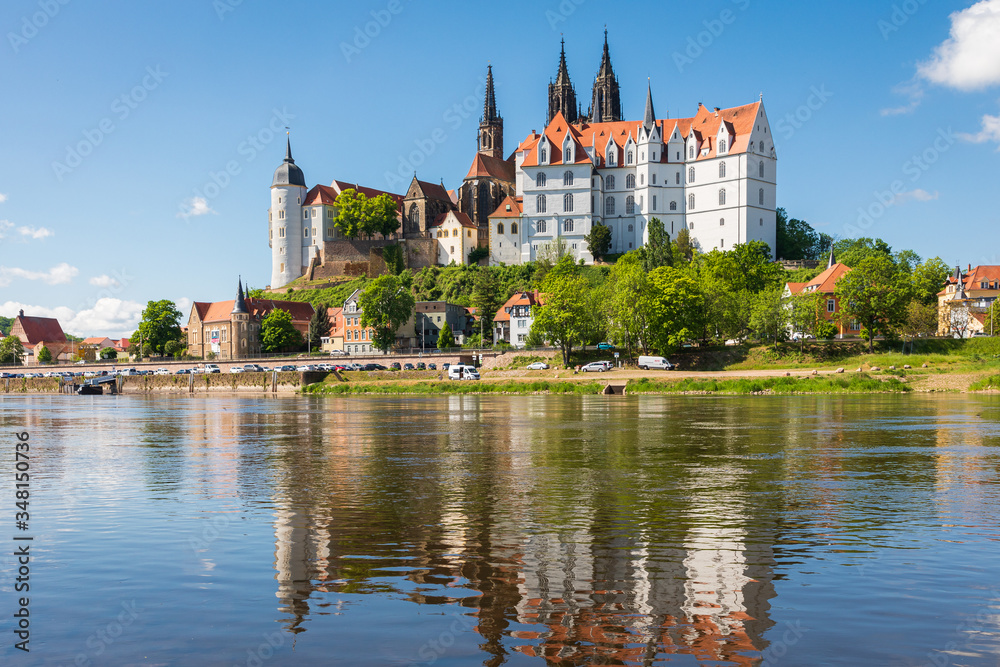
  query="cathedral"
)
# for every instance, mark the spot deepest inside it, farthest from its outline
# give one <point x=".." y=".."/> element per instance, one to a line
<point x="713" y="174"/>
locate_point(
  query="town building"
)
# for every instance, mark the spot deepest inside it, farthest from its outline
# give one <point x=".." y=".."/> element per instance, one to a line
<point x="38" y="332"/>
<point x="456" y="236"/>
<point x="430" y="318"/>
<point x="824" y="286"/>
<point x="513" y="321"/>
<point x="334" y="341"/>
<point x="359" y="339"/>
<point x="231" y="329"/>
<point x="966" y="299"/>
<point x="90" y="348"/>
<point x="505" y="234"/>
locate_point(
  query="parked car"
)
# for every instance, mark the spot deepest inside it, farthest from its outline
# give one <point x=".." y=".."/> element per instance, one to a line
<point x="212" y="368"/>
<point x="394" y="366"/>
<point x="162" y="371"/>
<point x="537" y="366"/>
<point x="408" y="367"/>
<point x="462" y="372"/>
<point x="645" y="363"/>
<point x="370" y="367"/>
<point x="182" y="371"/>
<point x="286" y="368"/>
<point x="235" y="369"/>
<point x="605" y="346"/>
<point x="432" y="367"/>
<point x="253" y="368"/>
<point x="595" y="367"/>
<point x="421" y="366"/>
<point x="445" y="367"/>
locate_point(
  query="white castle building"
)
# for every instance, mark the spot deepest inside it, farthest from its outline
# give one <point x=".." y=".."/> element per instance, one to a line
<point x="714" y="174"/>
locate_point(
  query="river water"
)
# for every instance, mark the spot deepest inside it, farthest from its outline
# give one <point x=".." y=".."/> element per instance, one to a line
<point x="562" y="530"/>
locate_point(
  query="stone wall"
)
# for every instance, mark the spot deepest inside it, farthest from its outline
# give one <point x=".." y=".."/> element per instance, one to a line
<point x="421" y="253"/>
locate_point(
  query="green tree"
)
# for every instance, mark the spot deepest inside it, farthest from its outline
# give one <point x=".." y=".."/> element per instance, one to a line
<point x="319" y="325"/>
<point x="804" y="314"/>
<point x="676" y="309"/>
<point x="44" y="355"/>
<point x="487" y="300"/>
<point x="928" y="279"/>
<point x="853" y="251"/>
<point x="478" y="253"/>
<point x="730" y="279"/>
<point x="172" y="348"/>
<point x="796" y="239"/>
<point x="658" y="250"/>
<point x="565" y="318"/>
<point x="683" y="249"/>
<point x="380" y="216"/>
<point x="921" y="319"/>
<point x="351" y="206"/>
<point x="278" y="334"/>
<point x="598" y="240"/>
<point x="875" y="293"/>
<point x="394" y="258"/>
<point x="160" y="324"/>
<point x="626" y="300"/>
<point x="6" y="323"/>
<point x="11" y="351"/>
<point x="108" y="353"/>
<point x="446" y="340"/>
<point x="769" y="315"/>
<point x="386" y="305"/>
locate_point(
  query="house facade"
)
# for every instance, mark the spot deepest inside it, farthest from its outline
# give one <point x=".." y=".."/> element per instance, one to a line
<point x="456" y="236"/>
<point x="513" y="321"/>
<point x="824" y="286"/>
<point x="966" y="299"/>
<point x="38" y="332"/>
<point x="334" y="341"/>
<point x="431" y="316"/>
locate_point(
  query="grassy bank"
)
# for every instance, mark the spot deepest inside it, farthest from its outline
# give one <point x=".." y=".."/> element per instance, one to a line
<point x="988" y="383"/>
<point x="843" y="384"/>
<point x="451" y="388"/>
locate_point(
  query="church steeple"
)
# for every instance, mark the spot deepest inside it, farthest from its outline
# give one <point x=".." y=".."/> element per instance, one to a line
<point x="491" y="124"/>
<point x="606" y="98"/>
<point x="562" y="95"/>
<point x="833" y="260"/>
<point x="649" y="118"/>
<point x="240" y="307"/>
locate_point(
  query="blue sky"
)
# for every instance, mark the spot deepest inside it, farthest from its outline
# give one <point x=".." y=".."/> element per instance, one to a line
<point x="138" y="139"/>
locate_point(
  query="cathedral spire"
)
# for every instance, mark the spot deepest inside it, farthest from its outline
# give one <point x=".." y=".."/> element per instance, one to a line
<point x="649" y="119"/>
<point x="240" y="307"/>
<point x="606" y="92"/>
<point x="288" y="149"/>
<point x="562" y="96"/>
<point x="490" y="104"/>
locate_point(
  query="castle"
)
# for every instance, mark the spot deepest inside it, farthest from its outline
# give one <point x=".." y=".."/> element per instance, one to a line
<point x="713" y="174"/>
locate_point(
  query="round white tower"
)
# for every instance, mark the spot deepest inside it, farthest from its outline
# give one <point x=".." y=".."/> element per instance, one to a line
<point x="288" y="193"/>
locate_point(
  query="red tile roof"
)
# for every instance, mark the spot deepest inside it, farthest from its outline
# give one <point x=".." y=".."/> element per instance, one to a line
<point x="221" y="311"/>
<point x="795" y="288"/>
<point x="435" y="191"/>
<point x="826" y="282"/>
<point x="487" y="166"/>
<point x="462" y="218"/>
<point x="510" y="207"/>
<point x="38" y="329"/>
<point x="518" y="299"/>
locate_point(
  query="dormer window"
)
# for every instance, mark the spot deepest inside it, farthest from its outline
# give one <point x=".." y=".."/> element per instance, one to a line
<point x="722" y="146"/>
<point x="691" y="152"/>
<point x="568" y="155"/>
<point x="629" y="158"/>
<point x="544" y="156"/>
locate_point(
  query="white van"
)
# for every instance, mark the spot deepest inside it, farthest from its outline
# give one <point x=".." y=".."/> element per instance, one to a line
<point x="645" y="363"/>
<point x="460" y="372"/>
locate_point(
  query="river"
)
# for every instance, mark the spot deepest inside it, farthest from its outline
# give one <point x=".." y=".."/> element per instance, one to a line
<point x="523" y="530"/>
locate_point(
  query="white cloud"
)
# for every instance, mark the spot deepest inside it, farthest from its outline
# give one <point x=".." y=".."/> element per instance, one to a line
<point x="184" y="305"/>
<point x="104" y="281"/>
<point x="990" y="132"/>
<point x="194" y="207"/>
<point x="970" y="58"/>
<point x="3" y="197"/>
<point x="35" y="233"/>
<point x="61" y="274"/>
<point x="106" y="317"/>
<point x="915" y="195"/>
<point x="5" y="226"/>
<point x="911" y="89"/>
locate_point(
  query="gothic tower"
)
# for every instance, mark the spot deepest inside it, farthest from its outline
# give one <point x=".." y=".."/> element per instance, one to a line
<point x="605" y="106"/>
<point x="562" y="96"/>
<point x="288" y="191"/>
<point x="491" y="124"/>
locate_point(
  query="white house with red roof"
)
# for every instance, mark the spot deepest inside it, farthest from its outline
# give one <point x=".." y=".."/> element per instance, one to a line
<point x="513" y="321"/>
<point x="456" y="235"/>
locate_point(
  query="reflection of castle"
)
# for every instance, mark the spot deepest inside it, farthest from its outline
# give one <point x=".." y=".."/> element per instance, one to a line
<point x="460" y="508"/>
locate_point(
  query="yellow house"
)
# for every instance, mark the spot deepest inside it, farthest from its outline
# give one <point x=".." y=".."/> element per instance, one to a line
<point x="456" y="235"/>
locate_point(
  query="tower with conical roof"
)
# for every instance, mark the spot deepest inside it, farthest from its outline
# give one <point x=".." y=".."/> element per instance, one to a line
<point x="285" y="221"/>
<point x="491" y="124"/>
<point x="606" y="105"/>
<point x="562" y="95"/>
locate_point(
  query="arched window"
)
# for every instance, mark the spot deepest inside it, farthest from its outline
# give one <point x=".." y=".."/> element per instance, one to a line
<point x="673" y="206"/>
<point x="722" y="146"/>
<point x="544" y="156"/>
<point x="654" y="179"/>
<point x="722" y="170"/>
<point x="631" y="228"/>
<point x="414" y="216"/>
<point x="691" y="152"/>
<point x="760" y="196"/>
<point x="691" y="175"/>
<point x="629" y="158"/>
<point x="611" y="182"/>
<point x="500" y="228"/>
<point x="568" y="154"/>
<point x="609" y="206"/>
<point x="568" y="178"/>
<point x="630" y="182"/>
<point x="677" y="178"/>
<point x="612" y="159"/>
<point x="762" y="147"/>
<point x="690" y="202"/>
<point x="540" y="180"/>
<point x="541" y="226"/>
<point x="568" y="203"/>
<point x="722" y="197"/>
<point x="513" y="228"/>
<point x="722" y="222"/>
<point x="540" y="204"/>
<point x="568" y="226"/>
<point x="630" y="205"/>
<point x="454" y="232"/>
<point x="760" y="169"/>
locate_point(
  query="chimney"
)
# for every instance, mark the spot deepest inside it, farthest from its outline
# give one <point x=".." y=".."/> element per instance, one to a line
<point x="20" y="313"/>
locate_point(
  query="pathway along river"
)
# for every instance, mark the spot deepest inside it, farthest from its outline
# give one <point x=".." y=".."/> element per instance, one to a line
<point x="465" y="530"/>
